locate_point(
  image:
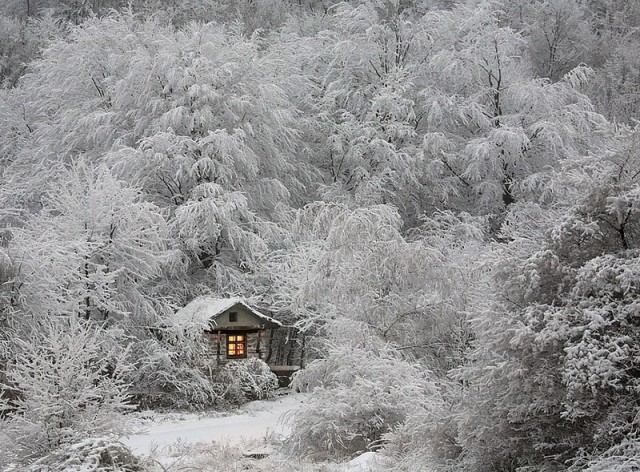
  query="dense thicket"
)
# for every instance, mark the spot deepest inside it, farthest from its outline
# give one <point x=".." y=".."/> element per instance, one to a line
<point x="445" y="193"/>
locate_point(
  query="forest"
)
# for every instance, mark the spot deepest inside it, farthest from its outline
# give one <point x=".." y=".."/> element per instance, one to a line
<point x="444" y="195"/>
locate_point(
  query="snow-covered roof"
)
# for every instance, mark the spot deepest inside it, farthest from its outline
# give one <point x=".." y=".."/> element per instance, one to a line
<point x="203" y="309"/>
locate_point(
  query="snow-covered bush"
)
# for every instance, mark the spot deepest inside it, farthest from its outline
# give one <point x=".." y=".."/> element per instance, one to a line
<point x="426" y="441"/>
<point x="171" y="371"/>
<point x="246" y="380"/>
<point x="89" y="455"/>
<point x="69" y="387"/>
<point x="222" y="457"/>
<point x="361" y="391"/>
<point x="552" y="381"/>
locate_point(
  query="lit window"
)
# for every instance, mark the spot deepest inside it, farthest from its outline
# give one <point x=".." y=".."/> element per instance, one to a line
<point x="236" y="345"/>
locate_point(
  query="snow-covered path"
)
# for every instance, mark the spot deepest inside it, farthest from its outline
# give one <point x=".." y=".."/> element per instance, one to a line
<point x="258" y="420"/>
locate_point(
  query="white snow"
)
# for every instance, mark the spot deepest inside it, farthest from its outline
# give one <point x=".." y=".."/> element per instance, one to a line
<point x="362" y="463"/>
<point x="257" y="421"/>
<point x="247" y="440"/>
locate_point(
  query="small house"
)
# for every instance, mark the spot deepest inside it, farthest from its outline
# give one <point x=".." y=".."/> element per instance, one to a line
<point x="234" y="329"/>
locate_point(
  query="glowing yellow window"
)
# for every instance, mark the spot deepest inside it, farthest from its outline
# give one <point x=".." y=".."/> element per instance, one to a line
<point x="236" y="345"/>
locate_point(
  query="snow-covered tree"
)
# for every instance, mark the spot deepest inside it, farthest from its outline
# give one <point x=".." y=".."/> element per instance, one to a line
<point x="172" y="367"/>
<point x="93" y="250"/>
<point x="553" y="374"/>
<point x="361" y="67"/>
<point x="199" y="119"/>
<point x="616" y="87"/>
<point x="356" y="264"/>
<point x="96" y="251"/>
<point x="559" y="34"/>
<point x="492" y="131"/>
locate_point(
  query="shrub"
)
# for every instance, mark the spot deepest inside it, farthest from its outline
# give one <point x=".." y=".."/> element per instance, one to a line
<point x="68" y="387"/>
<point x="89" y="455"/>
<point x="170" y="373"/>
<point x="359" y="394"/>
<point x="246" y="380"/>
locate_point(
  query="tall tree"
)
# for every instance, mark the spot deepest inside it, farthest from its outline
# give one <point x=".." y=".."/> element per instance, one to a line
<point x="492" y="131"/>
<point x="92" y="251"/>
<point x="362" y="68"/>
<point x="200" y="119"/>
<point x="559" y="34"/>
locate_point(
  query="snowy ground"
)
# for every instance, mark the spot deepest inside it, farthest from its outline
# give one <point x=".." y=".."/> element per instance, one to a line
<point x="246" y="440"/>
<point x="259" y="420"/>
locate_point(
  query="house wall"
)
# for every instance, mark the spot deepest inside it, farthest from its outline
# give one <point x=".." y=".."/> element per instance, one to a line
<point x="244" y="318"/>
<point x="279" y="346"/>
<point x="252" y="345"/>
<point x="211" y="339"/>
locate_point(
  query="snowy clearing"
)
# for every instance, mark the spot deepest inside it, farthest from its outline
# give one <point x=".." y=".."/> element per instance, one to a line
<point x="246" y="440"/>
<point x="258" y="420"/>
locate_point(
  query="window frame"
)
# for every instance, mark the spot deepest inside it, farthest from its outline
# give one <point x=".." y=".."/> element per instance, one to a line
<point x="232" y="340"/>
